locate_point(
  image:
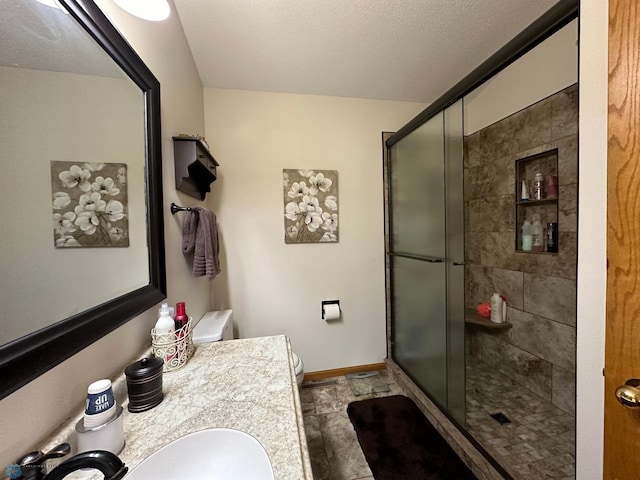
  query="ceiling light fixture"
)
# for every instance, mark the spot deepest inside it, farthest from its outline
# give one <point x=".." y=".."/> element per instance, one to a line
<point x="154" y="10"/>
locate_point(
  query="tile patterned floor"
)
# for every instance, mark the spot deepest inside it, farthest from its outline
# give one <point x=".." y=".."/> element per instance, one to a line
<point x="333" y="446"/>
<point x="539" y="443"/>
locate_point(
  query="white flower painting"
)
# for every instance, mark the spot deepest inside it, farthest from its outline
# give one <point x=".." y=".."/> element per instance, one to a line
<point x="310" y="206"/>
<point x="89" y="204"/>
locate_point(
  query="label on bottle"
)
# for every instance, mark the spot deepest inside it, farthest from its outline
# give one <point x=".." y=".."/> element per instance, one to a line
<point x="552" y="237"/>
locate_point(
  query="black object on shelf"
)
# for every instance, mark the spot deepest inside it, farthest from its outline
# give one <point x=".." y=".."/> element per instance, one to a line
<point x="195" y="167"/>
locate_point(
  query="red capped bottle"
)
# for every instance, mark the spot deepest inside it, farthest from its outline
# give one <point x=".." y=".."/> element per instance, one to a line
<point x="181" y="315"/>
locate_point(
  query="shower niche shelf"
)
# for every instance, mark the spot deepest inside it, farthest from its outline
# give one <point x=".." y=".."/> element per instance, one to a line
<point x="471" y="317"/>
<point x="547" y="207"/>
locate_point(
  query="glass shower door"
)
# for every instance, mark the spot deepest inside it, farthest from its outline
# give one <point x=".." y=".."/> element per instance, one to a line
<point x="424" y="187"/>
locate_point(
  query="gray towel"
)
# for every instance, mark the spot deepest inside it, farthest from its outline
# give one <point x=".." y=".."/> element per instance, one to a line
<point x="200" y="236"/>
<point x="189" y="231"/>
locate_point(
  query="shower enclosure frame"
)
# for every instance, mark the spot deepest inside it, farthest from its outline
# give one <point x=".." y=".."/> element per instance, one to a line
<point x="553" y="20"/>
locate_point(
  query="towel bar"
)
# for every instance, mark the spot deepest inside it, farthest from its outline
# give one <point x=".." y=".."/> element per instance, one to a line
<point x="175" y="209"/>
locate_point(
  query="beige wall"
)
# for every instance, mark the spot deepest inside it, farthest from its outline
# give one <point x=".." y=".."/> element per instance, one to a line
<point x="545" y="70"/>
<point x="31" y="413"/>
<point x="276" y="288"/>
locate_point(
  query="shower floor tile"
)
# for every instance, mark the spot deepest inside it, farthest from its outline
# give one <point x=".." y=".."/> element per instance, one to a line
<point x="539" y="441"/>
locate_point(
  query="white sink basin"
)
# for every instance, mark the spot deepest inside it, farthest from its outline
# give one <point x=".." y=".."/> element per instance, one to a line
<point x="212" y="454"/>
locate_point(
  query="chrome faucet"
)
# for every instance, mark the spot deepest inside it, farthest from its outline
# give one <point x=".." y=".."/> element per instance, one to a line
<point x="109" y="464"/>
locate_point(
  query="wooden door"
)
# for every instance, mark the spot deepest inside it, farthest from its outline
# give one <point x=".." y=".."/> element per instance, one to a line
<point x="622" y="344"/>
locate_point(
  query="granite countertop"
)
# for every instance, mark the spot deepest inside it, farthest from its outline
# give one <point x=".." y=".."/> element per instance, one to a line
<point x="246" y="384"/>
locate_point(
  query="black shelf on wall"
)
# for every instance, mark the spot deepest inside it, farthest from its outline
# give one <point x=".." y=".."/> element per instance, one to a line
<point x="195" y="167"/>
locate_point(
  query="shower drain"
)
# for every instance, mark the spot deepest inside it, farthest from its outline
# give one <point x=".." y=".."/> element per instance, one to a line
<point x="500" y="417"/>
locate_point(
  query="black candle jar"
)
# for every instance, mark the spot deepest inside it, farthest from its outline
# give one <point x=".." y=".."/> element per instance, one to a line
<point x="144" y="384"/>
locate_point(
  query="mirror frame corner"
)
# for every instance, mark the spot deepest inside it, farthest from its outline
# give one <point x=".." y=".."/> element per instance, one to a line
<point x="28" y="357"/>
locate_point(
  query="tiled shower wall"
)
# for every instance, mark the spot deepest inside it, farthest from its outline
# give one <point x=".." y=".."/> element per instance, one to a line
<point x="538" y="352"/>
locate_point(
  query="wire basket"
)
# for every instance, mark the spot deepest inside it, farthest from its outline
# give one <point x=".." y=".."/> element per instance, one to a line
<point x="174" y="348"/>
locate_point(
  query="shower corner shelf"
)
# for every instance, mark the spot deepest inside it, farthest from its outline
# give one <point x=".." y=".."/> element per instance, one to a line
<point x="472" y="318"/>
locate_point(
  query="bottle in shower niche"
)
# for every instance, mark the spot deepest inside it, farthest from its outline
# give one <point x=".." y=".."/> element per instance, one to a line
<point x="496" y="308"/>
<point x="527" y="239"/>
<point x="537" y="235"/>
<point x="538" y="187"/>
<point x="552" y="237"/>
<point x="524" y="191"/>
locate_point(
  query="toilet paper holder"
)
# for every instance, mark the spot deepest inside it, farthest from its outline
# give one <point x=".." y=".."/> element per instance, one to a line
<point x="330" y="302"/>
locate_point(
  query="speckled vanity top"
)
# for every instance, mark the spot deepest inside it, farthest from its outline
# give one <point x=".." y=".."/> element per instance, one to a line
<point x="246" y="384"/>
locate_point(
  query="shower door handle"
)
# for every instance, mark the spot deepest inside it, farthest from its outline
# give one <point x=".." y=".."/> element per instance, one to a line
<point x="458" y="264"/>
<point x="629" y="393"/>
<point x="423" y="258"/>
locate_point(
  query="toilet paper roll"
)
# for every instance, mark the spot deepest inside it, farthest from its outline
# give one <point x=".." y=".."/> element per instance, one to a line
<point x="331" y="312"/>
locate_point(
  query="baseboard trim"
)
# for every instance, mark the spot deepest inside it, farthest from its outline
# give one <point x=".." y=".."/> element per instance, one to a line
<point x="338" y="372"/>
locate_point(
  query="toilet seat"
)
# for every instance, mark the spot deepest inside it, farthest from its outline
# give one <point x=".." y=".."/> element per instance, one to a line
<point x="298" y="367"/>
<point x="296" y="362"/>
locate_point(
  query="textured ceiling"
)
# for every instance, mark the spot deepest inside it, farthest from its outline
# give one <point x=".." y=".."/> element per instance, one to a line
<point x="38" y="37"/>
<point x="381" y="49"/>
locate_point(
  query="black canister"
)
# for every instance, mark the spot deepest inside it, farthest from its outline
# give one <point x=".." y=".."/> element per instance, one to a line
<point x="552" y="237"/>
<point x="144" y="384"/>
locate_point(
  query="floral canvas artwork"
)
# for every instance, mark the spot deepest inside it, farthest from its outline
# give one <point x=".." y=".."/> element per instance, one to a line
<point x="310" y="206"/>
<point x="89" y="204"/>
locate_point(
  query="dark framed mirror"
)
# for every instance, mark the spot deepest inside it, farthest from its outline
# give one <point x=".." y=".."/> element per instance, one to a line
<point x="38" y="347"/>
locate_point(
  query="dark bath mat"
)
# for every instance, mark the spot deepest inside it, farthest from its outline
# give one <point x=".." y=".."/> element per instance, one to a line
<point x="399" y="443"/>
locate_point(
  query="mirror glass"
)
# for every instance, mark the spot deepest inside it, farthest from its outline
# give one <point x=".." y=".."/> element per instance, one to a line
<point x="64" y="100"/>
<point x="80" y="142"/>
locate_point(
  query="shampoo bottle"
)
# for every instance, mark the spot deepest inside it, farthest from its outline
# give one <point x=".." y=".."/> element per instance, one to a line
<point x="504" y="308"/>
<point x="537" y="235"/>
<point x="165" y="328"/>
<point x="165" y="306"/>
<point x="538" y="187"/>
<point x="496" y="308"/>
<point x="526" y="236"/>
<point x="524" y="193"/>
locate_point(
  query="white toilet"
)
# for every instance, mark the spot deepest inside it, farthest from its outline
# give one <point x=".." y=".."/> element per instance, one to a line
<point x="217" y="326"/>
<point x="214" y="327"/>
<point x="298" y="366"/>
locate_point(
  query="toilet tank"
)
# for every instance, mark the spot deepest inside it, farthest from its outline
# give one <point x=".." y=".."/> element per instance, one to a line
<point x="214" y="327"/>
